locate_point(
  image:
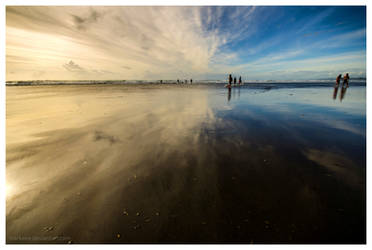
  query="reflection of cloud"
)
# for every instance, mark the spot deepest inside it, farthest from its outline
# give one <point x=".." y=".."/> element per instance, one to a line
<point x="340" y="124"/>
<point x="342" y="167"/>
<point x="121" y="134"/>
<point x="310" y="105"/>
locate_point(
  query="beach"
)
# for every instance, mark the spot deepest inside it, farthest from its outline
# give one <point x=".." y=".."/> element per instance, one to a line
<point x="167" y="163"/>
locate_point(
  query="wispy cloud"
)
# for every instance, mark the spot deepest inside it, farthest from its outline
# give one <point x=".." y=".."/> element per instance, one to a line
<point x="73" y="67"/>
<point x="83" y="22"/>
<point x="158" y="39"/>
<point x="341" y="40"/>
<point x="157" y="42"/>
<point x="276" y="66"/>
<point x="314" y="20"/>
<point x="278" y="56"/>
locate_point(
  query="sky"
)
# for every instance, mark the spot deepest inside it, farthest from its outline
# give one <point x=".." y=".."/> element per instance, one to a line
<point x="201" y="42"/>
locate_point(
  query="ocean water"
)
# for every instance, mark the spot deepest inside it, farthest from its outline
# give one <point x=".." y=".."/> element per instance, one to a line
<point x="160" y="163"/>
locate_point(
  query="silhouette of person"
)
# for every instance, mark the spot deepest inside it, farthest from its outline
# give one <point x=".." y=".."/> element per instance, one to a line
<point x="337" y="84"/>
<point x="234" y="80"/>
<point x="190" y="81"/>
<point x="240" y="80"/>
<point x="346" y="80"/>
<point x="178" y="80"/>
<point x="338" y="79"/>
<point x="230" y="79"/>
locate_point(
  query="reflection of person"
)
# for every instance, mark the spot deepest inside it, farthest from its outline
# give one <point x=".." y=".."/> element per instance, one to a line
<point x="338" y="79"/>
<point x="346" y="80"/>
<point x="343" y="92"/>
<point x="335" y="91"/>
<point x="229" y="95"/>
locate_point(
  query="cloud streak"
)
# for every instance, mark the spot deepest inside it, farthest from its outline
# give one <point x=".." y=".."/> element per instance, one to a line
<point x="73" y="67"/>
<point x="162" y="40"/>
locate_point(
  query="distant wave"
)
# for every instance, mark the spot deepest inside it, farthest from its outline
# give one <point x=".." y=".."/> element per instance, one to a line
<point x="211" y="82"/>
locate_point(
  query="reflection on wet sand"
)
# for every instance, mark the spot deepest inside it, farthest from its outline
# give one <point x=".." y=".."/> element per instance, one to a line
<point x="339" y="166"/>
<point x="335" y="91"/>
<point x="235" y="93"/>
<point x="117" y="164"/>
<point x="343" y="92"/>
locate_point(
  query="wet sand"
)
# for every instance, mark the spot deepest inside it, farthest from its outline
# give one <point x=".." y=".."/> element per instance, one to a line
<point x="185" y="164"/>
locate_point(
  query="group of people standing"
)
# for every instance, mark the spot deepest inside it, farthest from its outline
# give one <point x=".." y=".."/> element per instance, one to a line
<point x="178" y="81"/>
<point x="345" y="82"/>
<point x="231" y="81"/>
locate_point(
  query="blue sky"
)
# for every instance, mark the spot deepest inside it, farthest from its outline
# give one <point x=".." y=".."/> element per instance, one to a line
<point x="276" y="38"/>
<point x="257" y="42"/>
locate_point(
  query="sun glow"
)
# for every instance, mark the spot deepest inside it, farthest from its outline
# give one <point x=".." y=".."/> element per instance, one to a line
<point x="9" y="190"/>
